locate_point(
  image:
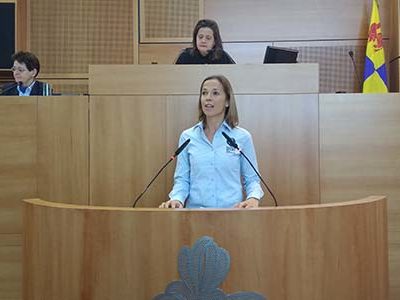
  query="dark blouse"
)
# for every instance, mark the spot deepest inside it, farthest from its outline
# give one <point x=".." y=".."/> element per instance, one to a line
<point x="190" y="56"/>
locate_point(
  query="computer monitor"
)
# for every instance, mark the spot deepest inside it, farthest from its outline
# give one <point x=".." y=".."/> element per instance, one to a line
<point x="275" y="55"/>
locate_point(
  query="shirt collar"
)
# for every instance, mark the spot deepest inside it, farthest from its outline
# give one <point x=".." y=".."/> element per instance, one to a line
<point x="26" y="91"/>
<point x="224" y="125"/>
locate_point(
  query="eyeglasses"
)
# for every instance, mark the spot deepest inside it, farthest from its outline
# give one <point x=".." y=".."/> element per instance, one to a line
<point x="21" y="70"/>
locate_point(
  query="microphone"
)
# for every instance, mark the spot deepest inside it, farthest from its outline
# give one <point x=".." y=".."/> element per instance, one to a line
<point x="231" y="142"/>
<point x="10" y="87"/>
<point x="177" y="152"/>
<point x="393" y="59"/>
<point x="351" y="54"/>
<point x="180" y="149"/>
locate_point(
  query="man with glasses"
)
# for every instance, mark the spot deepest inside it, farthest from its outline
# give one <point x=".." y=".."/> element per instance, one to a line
<point x="25" y="70"/>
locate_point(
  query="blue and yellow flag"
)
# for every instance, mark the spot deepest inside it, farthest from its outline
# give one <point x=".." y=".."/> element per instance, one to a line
<point x="375" y="79"/>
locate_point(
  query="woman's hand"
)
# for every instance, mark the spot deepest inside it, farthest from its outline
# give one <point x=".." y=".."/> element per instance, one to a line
<point x="171" y="204"/>
<point x="249" y="203"/>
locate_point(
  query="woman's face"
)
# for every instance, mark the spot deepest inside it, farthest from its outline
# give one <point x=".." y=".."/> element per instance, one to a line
<point x="22" y="74"/>
<point x="205" y="40"/>
<point x="213" y="99"/>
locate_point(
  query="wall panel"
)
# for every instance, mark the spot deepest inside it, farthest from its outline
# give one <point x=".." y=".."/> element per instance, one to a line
<point x="258" y="20"/>
<point x="360" y="155"/>
<point x="129" y="144"/>
<point x="285" y="134"/>
<point x="10" y="272"/>
<point x="160" y="53"/>
<point x="170" y="20"/>
<point x="67" y="36"/>
<point x="127" y="147"/>
<point x="63" y="149"/>
<point x="181" y="113"/>
<point x="17" y="159"/>
<point x="17" y="182"/>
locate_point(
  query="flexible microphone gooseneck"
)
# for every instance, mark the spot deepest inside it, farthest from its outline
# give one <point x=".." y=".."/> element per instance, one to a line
<point x="393" y="59"/>
<point x="231" y="142"/>
<point x="177" y="152"/>
<point x="351" y="54"/>
<point x="10" y="87"/>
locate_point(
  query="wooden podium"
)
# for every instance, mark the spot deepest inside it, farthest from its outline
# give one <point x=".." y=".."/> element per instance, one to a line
<point x="322" y="252"/>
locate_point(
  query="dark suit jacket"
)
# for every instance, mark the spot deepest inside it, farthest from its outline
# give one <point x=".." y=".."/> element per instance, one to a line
<point x="190" y="56"/>
<point x="37" y="89"/>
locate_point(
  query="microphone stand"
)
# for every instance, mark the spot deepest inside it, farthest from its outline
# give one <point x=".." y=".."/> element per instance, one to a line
<point x="393" y="59"/>
<point x="351" y="54"/>
<point x="154" y="178"/>
<point x="9" y="87"/>
<point x="231" y="142"/>
<point x="259" y="176"/>
<point x="177" y="152"/>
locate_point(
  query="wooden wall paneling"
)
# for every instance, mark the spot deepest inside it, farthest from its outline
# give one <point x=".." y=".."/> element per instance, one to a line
<point x="22" y="25"/>
<point x="63" y="149"/>
<point x="67" y="36"/>
<point x="67" y="83"/>
<point x="58" y="243"/>
<point x="258" y="20"/>
<point x="360" y="154"/>
<point x="127" y="150"/>
<point x="17" y="159"/>
<point x="160" y="53"/>
<point x="17" y="181"/>
<point x="128" y="147"/>
<point x="172" y="20"/>
<point x="136" y="11"/>
<point x="68" y="87"/>
<point x="186" y="79"/>
<point x="285" y="134"/>
<point x="10" y="271"/>
<point x="359" y="146"/>
<point x="182" y="113"/>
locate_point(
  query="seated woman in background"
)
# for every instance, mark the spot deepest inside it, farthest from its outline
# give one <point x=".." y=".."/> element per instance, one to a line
<point x="209" y="173"/>
<point x="207" y="46"/>
<point x="25" y="70"/>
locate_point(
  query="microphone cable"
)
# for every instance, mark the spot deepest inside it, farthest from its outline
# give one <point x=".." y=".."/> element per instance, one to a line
<point x="231" y="142"/>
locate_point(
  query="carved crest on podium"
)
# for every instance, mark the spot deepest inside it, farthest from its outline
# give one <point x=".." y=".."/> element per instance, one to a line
<point x="202" y="269"/>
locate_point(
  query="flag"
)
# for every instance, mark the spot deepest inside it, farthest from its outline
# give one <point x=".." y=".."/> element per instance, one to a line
<point x="375" y="79"/>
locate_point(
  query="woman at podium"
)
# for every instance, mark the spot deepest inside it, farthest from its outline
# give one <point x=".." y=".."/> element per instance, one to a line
<point x="209" y="172"/>
<point x="25" y="69"/>
<point x="207" y="46"/>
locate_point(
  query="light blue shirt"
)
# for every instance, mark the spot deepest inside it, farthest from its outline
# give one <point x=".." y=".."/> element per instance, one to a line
<point x="25" y="91"/>
<point x="211" y="174"/>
